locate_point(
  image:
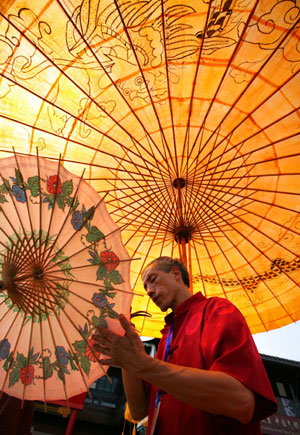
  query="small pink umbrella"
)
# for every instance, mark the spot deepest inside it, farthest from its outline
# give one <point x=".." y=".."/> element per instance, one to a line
<point x="64" y="271"/>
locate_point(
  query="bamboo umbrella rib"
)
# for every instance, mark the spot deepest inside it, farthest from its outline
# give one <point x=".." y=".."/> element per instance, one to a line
<point x="27" y="364"/>
<point x="164" y="141"/>
<point x="235" y="51"/>
<point x="244" y="141"/>
<point x="247" y="211"/>
<point x="77" y="329"/>
<point x="155" y="195"/>
<point x="162" y="244"/>
<point x="27" y="207"/>
<point x="47" y="286"/>
<point x="251" y="153"/>
<point x="72" y="141"/>
<point x="152" y="242"/>
<point x="253" y="268"/>
<point x="40" y="204"/>
<point x="13" y="253"/>
<point x="234" y="272"/>
<point x="49" y="266"/>
<point x="15" y="348"/>
<point x="89" y="213"/>
<point x="40" y="293"/>
<point x="278" y="88"/>
<point x="207" y="184"/>
<point x="42" y="257"/>
<point x="146" y="214"/>
<point x="20" y="221"/>
<point x="203" y="175"/>
<point x="56" y="278"/>
<point x="255" y="229"/>
<point x="45" y="259"/>
<point x="186" y="138"/>
<point x="168" y="86"/>
<point x="131" y="109"/>
<point x="154" y="178"/>
<point x="55" y="158"/>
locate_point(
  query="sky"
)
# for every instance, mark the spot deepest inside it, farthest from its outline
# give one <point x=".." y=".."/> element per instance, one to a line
<point x="282" y="342"/>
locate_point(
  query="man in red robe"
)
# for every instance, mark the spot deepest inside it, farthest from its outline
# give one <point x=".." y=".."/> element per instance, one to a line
<point x="207" y="377"/>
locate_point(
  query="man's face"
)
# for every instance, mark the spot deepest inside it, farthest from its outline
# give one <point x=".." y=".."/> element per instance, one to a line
<point x="162" y="287"/>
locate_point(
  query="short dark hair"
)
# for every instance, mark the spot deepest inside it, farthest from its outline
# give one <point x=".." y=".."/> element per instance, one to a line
<point x="166" y="264"/>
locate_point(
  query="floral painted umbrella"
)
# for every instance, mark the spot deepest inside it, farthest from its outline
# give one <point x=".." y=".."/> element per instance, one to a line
<point x="63" y="270"/>
<point x="186" y="113"/>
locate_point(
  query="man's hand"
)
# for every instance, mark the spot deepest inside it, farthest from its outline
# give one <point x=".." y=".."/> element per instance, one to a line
<point x="127" y="352"/>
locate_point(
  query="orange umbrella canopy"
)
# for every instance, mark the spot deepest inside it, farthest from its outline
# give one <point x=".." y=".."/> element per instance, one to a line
<point x="187" y="114"/>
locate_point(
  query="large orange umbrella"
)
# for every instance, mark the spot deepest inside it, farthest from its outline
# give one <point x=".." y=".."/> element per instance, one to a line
<point x="187" y="114"/>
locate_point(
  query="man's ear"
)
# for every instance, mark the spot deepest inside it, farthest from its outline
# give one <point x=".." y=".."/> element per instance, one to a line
<point x="176" y="272"/>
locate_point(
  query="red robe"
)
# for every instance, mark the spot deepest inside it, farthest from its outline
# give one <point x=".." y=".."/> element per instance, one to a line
<point x="211" y="334"/>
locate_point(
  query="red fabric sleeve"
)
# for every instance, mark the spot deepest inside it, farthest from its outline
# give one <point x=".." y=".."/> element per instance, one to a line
<point x="228" y="347"/>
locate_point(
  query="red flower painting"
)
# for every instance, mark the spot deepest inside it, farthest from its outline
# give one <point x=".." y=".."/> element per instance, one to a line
<point x="90" y="352"/>
<point x="54" y="181"/>
<point x="110" y="260"/>
<point x="26" y="375"/>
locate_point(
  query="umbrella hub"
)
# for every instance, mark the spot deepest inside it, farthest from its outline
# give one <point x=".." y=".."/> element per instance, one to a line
<point x="183" y="233"/>
<point x="179" y="183"/>
<point x="9" y="272"/>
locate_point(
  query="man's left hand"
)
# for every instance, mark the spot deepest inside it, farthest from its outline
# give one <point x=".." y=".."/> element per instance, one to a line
<point x="127" y="352"/>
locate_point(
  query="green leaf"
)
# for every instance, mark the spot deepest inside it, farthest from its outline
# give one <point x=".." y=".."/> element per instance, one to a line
<point x="3" y="187"/>
<point x="98" y="321"/>
<point x="69" y="200"/>
<point x="110" y="295"/>
<point x="115" y="277"/>
<point x="60" y="201"/>
<point x="67" y="188"/>
<point x="2" y="199"/>
<point x="80" y="346"/>
<point x="7" y="185"/>
<point x="21" y="361"/>
<point x="33" y="183"/>
<point x="85" y="364"/>
<point x="89" y="214"/>
<point x="101" y="273"/>
<point x="94" y="235"/>
<point x="73" y="366"/>
<point x="47" y="368"/>
<point x="61" y="374"/>
<point x="14" y="377"/>
<point x="19" y="177"/>
<point x="112" y="314"/>
<point x="76" y="204"/>
<point x="7" y="362"/>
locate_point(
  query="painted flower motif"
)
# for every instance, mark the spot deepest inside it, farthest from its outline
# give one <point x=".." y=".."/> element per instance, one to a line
<point x="110" y="260"/>
<point x="92" y="354"/>
<point x="99" y="300"/>
<point x="26" y="374"/>
<point x="18" y="193"/>
<point x="4" y="348"/>
<point x="62" y="355"/>
<point x="54" y="181"/>
<point x="77" y="220"/>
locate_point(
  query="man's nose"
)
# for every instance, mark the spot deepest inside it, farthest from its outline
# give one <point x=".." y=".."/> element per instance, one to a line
<point x="150" y="292"/>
